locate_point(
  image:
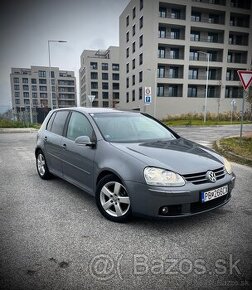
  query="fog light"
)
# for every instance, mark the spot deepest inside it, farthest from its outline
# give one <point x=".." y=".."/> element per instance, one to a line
<point x="164" y="210"/>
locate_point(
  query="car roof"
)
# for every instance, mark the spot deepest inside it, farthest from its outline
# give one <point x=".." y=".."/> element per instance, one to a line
<point x="90" y="110"/>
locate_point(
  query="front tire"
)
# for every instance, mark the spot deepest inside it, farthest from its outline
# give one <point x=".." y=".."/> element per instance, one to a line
<point x="112" y="199"/>
<point x="41" y="165"/>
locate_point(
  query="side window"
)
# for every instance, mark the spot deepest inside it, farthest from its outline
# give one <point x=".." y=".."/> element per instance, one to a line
<point x="49" y="123"/>
<point x="59" y="122"/>
<point x="79" y="126"/>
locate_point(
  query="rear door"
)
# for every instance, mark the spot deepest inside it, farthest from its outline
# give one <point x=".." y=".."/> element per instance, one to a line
<point x="78" y="160"/>
<point x="53" y="141"/>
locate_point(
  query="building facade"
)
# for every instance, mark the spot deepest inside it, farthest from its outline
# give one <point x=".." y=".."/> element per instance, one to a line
<point x="30" y="89"/>
<point x="178" y="48"/>
<point x="99" y="76"/>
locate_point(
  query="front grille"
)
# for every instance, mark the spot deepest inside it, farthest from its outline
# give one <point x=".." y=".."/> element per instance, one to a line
<point x="200" y="178"/>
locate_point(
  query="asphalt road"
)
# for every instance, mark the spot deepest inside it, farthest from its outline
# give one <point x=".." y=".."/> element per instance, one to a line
<point x="53" y="237"/>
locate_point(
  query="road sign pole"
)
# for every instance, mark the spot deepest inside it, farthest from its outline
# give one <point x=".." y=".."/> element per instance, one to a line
<point x="242" y="114"/>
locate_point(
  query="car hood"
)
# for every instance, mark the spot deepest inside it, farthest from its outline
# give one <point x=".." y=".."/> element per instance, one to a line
<point x="179" y="155"/>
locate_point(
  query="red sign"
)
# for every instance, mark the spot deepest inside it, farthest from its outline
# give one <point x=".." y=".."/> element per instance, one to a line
<point x="245" y="77"/>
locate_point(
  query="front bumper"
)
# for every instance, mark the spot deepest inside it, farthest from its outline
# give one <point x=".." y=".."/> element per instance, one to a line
<point x="180" y="201"/>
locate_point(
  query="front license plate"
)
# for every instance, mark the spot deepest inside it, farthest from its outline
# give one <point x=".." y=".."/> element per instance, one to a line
<point x="215" y="193"/>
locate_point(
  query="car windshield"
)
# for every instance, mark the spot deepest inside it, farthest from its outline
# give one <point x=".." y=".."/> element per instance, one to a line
<point x="130" y="127"/>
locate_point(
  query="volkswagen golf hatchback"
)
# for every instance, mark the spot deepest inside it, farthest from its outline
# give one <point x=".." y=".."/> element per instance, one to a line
<point x="131" y="163"/>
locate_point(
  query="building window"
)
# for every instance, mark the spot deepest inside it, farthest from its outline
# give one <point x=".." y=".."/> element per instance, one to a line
<point x="127" y="97"/>
<point x="140" y="76"/>
<point x="133" y="63"/>
<point x="141" y="4"/>
<point x="193" y="73"/>
<point x="93" y="65"/>
<point x="116" y="95"/>
<point x="43" y="95"/>
<point x="25" y="87"/>
<point x="105" y="86"/>
<point x="26" y="95"/>
<point x="192" y="91"/>
<point x="127" y="36"/>
<point x="162" y="32"/>
<point x="105" y="104"/>
<point x="127" y="82"/>
<point x="16" y="87"/>
<point x="141" y="22"/>
<point x="195" y="35"/>
<point x="34" y="87"/>
<point x="25" y="81"/>
<point x="160" y="90"/>
<point x="115" y="66"/>
<point x="33" y="81"/>
<point x="196" y="16"/>
<point x="52" y="74"/>
<point x="42" y="73"/>
<point x="42" y="81"/>
<point x="133" y="30"/>
<point x="105" y="95"/>
<point x="133" y="96"/>
<point x="173" y="91"/>
<point x="34" y="95"/>
<point x="43" y="88"/>
<point x="140" y="59"/>
<point x="17" y="94"/>
<point x="105" y="76"/>
<point x="162" y="12"/>
<point x="115" y="77"/>
<point x="173" y="72"/>
<point x="94" y="75"/>
<point x="140" y="93"/>
<point x="16" y="80"/>
<point x="127" y="20"/>
<point x="116" y="86"/>
<point x="133" y="80"/>
<point x="175" y="13"/>
<point x="127" y="67"/>
<point x="134" y="13"/>
<point x="127" y="52"/>
<point x="161" y="72"/>
<point x="174" y="53"/>
<point x="27" y="102"/>
<point x="194" y="55"/>
<point x="133" y="47"/>
<point x="141" y="41"/>
<point x="161" y="52"/>
<point x="94" y="85"/>
<point x="17" y="101"/>
<point x="175" y="33"/>
<point x="104" y="66"/>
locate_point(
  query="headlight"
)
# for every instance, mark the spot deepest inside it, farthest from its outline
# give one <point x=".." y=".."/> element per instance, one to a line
<point x="162" y="177"/>
<point x="227" y="166"/>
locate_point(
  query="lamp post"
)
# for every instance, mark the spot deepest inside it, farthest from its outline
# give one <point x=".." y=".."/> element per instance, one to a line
<point x="207" y="79"/>
<point x="49" y="57"/>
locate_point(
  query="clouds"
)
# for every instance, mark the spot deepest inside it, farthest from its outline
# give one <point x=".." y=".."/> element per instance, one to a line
<point x="26" y="26"/>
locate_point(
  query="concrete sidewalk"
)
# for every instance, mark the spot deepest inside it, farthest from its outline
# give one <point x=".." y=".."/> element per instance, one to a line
<point x="18" y="130"/>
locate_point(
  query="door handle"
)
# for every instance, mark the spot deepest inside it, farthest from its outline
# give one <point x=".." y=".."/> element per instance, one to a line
<point x="45" y="138"/>
<point x="64" y="146"/>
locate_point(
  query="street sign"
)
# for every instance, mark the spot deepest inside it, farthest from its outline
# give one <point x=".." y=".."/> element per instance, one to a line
<point x="245" y="77"/>
<point x="91" y="98"/>
<point x="147" y="100"/>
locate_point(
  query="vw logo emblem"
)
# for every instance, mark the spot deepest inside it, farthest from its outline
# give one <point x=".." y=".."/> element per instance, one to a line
<point x="210" y="175"/>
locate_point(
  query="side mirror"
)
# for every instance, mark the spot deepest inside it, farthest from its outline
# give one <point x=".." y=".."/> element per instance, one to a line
<point x="84" y="140"/>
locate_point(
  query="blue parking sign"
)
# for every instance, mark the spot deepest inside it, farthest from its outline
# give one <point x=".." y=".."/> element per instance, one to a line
<point x="147" y="100"/>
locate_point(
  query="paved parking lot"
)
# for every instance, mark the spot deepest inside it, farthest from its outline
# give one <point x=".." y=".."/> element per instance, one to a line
<point x="53" y="237"/>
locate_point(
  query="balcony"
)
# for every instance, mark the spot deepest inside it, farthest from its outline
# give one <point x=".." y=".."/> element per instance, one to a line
<point x="172" y="11"/>
<point x="237" y="57"/>
<point x="239" y="20"/>
<point x="215" y="2"/>
<point x="172" y="91"/>
<point x="208" y="17"/>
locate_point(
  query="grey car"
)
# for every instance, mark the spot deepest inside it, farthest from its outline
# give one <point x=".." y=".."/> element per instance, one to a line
<point x="132" y="164"/>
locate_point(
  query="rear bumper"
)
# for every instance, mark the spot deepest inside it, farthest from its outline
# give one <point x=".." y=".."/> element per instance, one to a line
<point x="181" y="201"/>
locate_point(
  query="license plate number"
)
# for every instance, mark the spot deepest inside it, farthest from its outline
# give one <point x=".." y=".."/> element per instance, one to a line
<point x="213" y="194"/>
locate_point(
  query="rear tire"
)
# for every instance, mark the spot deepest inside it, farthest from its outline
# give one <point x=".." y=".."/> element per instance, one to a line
<point x="41" y="165"/>
<point x="112" y="199"/>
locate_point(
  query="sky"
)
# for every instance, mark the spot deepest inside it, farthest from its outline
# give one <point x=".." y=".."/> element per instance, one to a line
<point x="27" y="25"/>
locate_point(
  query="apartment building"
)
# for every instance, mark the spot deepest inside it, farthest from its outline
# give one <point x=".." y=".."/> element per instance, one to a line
<point x="30" y="89"/>
<point x="178" y="48"/>
<point x="99" y="76"/>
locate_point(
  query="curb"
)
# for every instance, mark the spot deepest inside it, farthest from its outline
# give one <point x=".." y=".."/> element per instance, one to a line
<point x="231" y="155"/>
<point x="18" y="130"/>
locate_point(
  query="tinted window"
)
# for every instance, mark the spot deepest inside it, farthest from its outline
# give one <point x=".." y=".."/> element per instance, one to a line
<point x="79" y="126"/>
<point x="59" y="122"/>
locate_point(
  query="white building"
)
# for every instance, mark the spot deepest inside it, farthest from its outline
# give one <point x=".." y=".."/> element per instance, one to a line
<point x="100" y="77"/>
<point x="166" y="44"/>
<point x="30" y="87"/>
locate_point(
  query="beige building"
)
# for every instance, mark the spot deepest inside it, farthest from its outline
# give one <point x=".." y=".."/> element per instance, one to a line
<point x="30" y="87"/>
<point x="166" y="45"/>
<point x="99" y="77"/>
